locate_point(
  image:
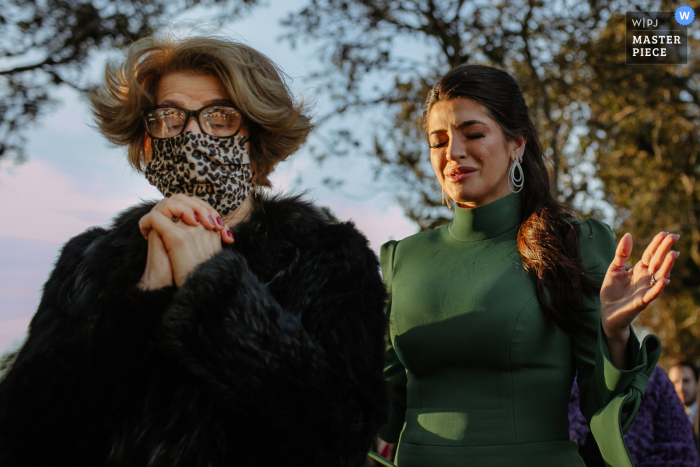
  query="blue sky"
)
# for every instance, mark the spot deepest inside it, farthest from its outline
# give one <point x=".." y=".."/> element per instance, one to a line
<point x="74" y="179"/>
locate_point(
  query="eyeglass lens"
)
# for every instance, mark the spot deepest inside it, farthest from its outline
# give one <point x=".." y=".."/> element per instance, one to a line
<point x="166" y="122"/>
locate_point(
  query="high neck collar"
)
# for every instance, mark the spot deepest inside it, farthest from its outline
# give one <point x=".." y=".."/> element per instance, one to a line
<point x="487" y="221"/>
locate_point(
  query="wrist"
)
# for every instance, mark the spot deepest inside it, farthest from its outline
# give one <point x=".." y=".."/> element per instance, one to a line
<point x="618" y="336"/>
<point x="148" y="282"/>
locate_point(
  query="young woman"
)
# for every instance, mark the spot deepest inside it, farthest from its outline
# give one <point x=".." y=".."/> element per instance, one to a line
<point x="491" y="315"/>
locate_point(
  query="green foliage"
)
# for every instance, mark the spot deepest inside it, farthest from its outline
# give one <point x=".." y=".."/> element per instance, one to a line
<point x="371" y="70"/>
<point x="620" y="138"/>
<point x="644" y="134"/>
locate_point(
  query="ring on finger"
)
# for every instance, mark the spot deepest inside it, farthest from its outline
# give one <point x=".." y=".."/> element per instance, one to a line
<point x="175" y="219"/>
<point x="653" y="280"/>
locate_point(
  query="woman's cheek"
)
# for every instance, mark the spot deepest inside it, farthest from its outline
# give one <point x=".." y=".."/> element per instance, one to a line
<point x="437" y="159"/>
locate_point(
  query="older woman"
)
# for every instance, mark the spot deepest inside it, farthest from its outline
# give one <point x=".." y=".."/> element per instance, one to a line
<point x="220" y="326"/>
<point x="491" y="315"/>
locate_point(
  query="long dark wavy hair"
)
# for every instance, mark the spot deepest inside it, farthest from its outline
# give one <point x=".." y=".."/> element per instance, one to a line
<point x="548" y="243"/>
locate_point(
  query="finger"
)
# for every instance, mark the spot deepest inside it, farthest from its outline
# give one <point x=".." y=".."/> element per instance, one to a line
<point x="661" y="252"/>
<point x="651" y="248"/>
<point x="622" y="253"/>
<point x="156" y="241"/>
<point x="145" y="225"/>
<point x="165" y="227"/>
<point x="185" y="208"/>
<point x="156" y="248"/>
<point x="664" y="270"/>
<point x="655" y="290"/>
<point x="209" y="216"/>
<point x="227" y="235"/>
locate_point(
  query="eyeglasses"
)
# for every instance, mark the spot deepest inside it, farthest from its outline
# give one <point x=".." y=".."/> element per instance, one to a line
<point x="166" y="121"/>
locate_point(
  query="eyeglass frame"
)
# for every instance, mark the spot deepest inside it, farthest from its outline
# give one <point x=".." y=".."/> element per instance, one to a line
<point x="189" y="114"/>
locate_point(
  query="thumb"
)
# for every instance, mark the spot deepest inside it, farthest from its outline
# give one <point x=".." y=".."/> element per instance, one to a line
<point x="622" y="253"/>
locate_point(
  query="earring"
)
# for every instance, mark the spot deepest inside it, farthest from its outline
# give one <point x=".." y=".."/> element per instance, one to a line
<point x="516" y="180"/>
<point x="446" y="199"/>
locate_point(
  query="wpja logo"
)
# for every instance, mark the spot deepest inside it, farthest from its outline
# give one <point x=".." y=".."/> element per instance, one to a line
<point x="658" y="37"/>
<point x="684" y="15"/>
<point x="640" y="23"/>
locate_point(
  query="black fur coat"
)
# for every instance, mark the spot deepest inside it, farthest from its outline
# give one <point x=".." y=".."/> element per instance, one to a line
<point x="271" y="354"/>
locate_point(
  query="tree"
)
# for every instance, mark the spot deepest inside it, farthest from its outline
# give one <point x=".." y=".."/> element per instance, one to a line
<point x="606" y="126"/>
<point x="644" y="126"/>
<point x="360" y="40"/>
<point x="48" y="43"/>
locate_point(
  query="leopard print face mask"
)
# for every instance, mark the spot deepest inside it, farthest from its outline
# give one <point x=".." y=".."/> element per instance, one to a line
<point x="214" y="169"/>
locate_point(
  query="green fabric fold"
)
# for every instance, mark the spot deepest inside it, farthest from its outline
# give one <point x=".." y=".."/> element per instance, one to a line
<point x="625" y="389"/>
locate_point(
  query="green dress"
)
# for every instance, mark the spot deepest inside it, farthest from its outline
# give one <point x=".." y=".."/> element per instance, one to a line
<point x="479" y="375"/>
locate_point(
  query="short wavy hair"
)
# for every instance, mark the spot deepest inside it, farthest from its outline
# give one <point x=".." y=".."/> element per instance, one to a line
<point x="278" y="125"/>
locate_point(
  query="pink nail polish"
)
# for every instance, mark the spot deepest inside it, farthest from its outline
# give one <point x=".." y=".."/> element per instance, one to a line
<point x="228" y="232"/>
<point x="211" y="219"/>
<point x="196" y="217"/>
<point x="220" y="221"/>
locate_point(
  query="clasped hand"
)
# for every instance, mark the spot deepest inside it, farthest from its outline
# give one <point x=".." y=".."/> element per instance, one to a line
<point x="624" y="294"/>
<point x="182" y="233"/>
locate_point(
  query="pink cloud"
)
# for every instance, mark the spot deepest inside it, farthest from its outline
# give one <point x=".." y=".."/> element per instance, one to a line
<point x="40" y="203"/>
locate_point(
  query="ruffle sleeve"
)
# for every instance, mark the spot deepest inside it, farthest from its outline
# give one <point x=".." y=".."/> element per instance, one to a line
<point x="610" y="397"/>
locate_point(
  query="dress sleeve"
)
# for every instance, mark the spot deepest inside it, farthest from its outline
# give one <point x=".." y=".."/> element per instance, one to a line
<point x="394" y="371"/>
<point x="610" y="397"/>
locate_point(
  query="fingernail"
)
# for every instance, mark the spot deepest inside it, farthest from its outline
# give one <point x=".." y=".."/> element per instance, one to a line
<point x="228" y="232"/>
<point x="211" y="219"/>
<point x="220" y="221"/>
<point x="667" y="281"/>
<point x="677" y="236"/>
<point x="196" y="217"/>
<point x="676" y="254"/>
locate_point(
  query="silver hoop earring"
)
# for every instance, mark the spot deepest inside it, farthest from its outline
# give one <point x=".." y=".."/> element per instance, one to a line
<point x="446" y="199"/>
<point x="517" y="181"/>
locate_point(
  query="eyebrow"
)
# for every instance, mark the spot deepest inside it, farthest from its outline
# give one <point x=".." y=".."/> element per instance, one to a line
<point x="221" y="100"/>
<point x="461" y="126"/>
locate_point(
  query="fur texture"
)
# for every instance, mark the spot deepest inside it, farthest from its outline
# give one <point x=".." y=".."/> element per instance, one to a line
<point x="659" y="437"/>
<point x="270" y="354"/>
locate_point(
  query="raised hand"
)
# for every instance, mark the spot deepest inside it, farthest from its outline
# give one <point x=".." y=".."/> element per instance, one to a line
<point x="624" y="294"/>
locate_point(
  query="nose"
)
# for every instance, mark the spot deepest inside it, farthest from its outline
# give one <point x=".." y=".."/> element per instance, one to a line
<point x="456" y="148"/>
<point x="193" y="126"/>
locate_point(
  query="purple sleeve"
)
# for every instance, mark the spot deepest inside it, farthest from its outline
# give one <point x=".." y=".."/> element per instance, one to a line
<point x="661" y="434"/>
<point x="578" y="427"/>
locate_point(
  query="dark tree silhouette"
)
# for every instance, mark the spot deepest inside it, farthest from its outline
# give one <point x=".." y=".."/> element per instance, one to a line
<point x="48" y="43"/>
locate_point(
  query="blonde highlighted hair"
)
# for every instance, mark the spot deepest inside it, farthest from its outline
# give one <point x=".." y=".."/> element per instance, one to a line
<point x="277" y="125"/>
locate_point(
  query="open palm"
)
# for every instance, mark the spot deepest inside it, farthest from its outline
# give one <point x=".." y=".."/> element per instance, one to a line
<point x="624" y="294"/>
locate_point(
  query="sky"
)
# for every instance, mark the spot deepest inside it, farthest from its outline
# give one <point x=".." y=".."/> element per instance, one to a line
<point x="75" y="179"/>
